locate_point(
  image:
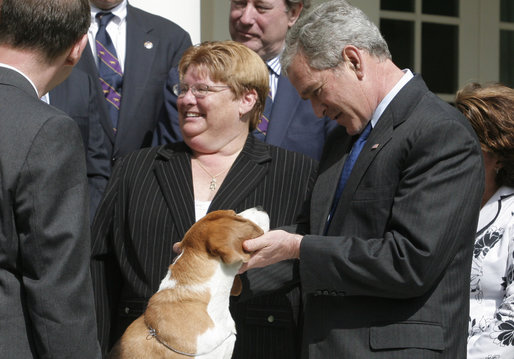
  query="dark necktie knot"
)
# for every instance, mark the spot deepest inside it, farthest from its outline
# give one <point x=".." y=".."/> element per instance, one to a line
<point x="104" y="17"/>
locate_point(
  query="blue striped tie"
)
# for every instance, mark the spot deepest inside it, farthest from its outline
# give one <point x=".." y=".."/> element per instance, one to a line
<point x="111" y="75"/>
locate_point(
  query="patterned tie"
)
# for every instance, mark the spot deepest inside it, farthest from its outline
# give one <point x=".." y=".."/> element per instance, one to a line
<point x="347" y="169"/>
<point x="111" y="75"/>
<point x="262" y="127"/>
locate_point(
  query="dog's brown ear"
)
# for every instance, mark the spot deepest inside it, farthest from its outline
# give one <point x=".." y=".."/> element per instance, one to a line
<point x="226" y="239"/>
<point x="237" y="286"/>
<point x="230" y="249"/>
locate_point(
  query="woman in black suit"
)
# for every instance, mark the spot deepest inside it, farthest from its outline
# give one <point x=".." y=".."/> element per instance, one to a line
<point x="156" y="194"/>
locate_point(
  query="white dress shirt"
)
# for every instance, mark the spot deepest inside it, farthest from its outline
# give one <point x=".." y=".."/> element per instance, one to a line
<point x="116" y="28"/>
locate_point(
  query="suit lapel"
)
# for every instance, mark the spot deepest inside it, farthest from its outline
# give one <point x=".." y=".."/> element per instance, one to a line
<point x="328" y="179"/>
<point x="247" y="172"/>
<point x="87" y="64"/>
<point x="140" y="54"/>
<point x="175" y="181"/>
<point x="380" y="135"/>
<point x="282" y="112"/>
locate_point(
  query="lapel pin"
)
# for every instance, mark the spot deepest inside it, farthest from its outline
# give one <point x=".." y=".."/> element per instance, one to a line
<point x="375" y="146"/>
<point x="148" y="44"/>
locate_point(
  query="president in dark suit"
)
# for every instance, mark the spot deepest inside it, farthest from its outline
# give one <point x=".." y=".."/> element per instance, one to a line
<point x="46" y="297"/>
<point x="385" y="254"/>
<point x="146" y="47"/>
<point x="288" y="121"/>
<point x="76" y="96"/>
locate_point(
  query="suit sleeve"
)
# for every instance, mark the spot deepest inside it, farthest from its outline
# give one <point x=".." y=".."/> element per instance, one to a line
<point x="104" y="268"/>
<point x="98" y="161"/>
<point x="434" y="207"/>
<point x="168" y="128"/>
<point x="52" y="211"/>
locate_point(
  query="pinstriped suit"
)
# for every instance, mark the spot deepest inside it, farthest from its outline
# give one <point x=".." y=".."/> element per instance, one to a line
<point x="149" y="205"/>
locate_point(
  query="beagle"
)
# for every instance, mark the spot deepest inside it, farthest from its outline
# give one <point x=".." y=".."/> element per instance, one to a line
<point x="189" y="315"/>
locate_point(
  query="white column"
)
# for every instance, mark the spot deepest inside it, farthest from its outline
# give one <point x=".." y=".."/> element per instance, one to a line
<point x="185" y="13"/>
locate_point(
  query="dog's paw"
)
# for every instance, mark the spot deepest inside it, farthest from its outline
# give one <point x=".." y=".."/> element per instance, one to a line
<point x="258" y="216"/>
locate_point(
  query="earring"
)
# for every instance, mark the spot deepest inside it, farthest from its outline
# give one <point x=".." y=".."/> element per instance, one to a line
<point x="496" y="170"/>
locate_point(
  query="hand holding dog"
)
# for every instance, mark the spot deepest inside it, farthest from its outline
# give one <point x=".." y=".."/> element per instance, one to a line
<point x="270" y="248"/>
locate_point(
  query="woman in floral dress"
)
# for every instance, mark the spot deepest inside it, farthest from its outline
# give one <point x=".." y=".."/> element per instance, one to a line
<point x="490" y="109"/>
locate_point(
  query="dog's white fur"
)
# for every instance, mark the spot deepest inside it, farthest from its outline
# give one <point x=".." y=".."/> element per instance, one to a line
<point x="215" y="334"/>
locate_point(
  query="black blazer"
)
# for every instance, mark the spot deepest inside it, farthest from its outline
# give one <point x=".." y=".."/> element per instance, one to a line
<point x="391" y="278"/>
<point x="46" y="298"/>
<point x="149" y="205"/>
<point x="77" y="97"/>
<point x="145" y="72"/>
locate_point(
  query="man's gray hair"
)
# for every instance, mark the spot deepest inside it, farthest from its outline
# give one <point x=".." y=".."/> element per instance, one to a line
<point x="322" y="34"/>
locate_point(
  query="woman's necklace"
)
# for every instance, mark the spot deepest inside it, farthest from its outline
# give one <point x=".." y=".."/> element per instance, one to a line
<point x="212" y="185"/>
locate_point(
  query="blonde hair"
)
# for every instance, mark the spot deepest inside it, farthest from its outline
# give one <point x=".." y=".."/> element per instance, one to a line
<point x="235" y="65"/>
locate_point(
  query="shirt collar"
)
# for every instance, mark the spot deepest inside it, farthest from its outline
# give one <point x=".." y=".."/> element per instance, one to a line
<point x="274" y="65"/>
<point x="21" y="73"/>
<point x="119" y="12"/>
<point x="407" y="76"/>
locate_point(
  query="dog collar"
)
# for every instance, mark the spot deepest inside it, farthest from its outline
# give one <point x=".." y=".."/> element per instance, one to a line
<point x="153" y="333"/>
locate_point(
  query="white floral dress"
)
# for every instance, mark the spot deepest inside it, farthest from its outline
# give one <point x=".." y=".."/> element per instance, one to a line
<point x="491" y="322"/>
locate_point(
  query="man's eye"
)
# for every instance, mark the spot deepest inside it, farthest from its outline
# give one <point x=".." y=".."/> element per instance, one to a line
<point x="262" y="9"/>
<point x="239" y="4"/>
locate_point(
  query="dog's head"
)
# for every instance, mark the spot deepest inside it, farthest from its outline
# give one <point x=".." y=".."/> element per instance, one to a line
<point x="222" y="233"/>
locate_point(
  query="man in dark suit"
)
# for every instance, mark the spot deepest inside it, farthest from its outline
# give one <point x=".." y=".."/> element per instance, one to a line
<point x="291" y="123"/>
<point x="76" y="96"/>
<point x="384" y="268"/>
<point x="47" y="305"/>
<point x="147" y="46"/>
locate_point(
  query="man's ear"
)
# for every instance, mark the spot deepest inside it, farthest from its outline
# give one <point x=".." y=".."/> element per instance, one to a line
<point x="76" y="51"/>
<point x="353" y="57"/>
<point x="294" y="13"/>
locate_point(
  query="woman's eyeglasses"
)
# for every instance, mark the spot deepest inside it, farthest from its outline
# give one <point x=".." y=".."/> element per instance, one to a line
<point x="198" y="90"/>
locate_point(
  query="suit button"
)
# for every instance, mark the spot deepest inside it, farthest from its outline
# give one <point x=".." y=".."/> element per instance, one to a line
<point x="270" y="318"/>
<point x="127" y="310"/>
<point x="113" y="159"/>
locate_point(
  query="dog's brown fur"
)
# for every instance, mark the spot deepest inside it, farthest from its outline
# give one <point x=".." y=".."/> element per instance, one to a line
<point x="179" y="314"/>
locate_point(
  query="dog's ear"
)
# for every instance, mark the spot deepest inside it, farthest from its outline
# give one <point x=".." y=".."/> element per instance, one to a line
<point x="226" y="239"/>
<point x="237" y="286"/>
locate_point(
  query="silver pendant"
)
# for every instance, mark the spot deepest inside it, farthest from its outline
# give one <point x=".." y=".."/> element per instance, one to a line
<point x="212" y="186"/>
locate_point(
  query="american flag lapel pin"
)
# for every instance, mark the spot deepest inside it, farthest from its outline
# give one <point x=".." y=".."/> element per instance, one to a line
<point x="375" y="146"/>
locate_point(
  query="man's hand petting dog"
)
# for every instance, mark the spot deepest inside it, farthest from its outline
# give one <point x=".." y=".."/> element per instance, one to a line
<point x="271" y="247"/>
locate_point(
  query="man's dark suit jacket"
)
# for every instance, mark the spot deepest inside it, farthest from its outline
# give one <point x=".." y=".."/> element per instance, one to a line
<point x="391" y="277"/>
<point x="149" y="206"/>
<point x="46" y="299"/>
<point x="293" y="124"/>
<point x="145" y="72"/>
<point x="76" y="96"/>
